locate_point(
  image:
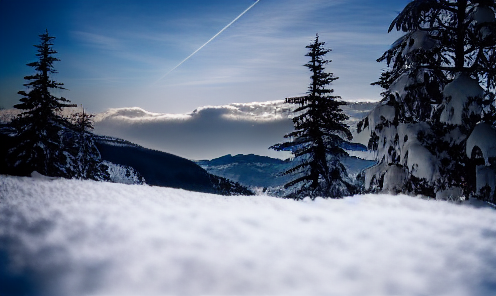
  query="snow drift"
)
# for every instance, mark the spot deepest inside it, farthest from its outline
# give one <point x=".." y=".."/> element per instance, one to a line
<point x="68" y="237"/>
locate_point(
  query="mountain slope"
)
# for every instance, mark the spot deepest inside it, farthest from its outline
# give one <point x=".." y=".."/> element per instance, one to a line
<point x="158" y="168"/>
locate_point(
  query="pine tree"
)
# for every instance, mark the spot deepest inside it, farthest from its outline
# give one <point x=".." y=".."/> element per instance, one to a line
<point x="88" y="159"/>
<point x="441" y="77"/>
<point x="42" y="138"/>
<point x="318" y="135"/>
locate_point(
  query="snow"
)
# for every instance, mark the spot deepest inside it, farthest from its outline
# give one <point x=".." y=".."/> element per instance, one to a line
<point x="399" y="85"/>
<point x="483" y="15"/>
<point x="460" y="90"/>
<point x="377" y="114"/>
<point x="484" y="137"/>
<point x="70" y="237"/>
<point x="421" y="40"/>
<point x="394" y="178"/>
<point x="36" y="175"/>
<point x="422" y="163"/>
<point x="486" y="176"/>
<point x="123" y="174"/>
<point x="451" y="193"/>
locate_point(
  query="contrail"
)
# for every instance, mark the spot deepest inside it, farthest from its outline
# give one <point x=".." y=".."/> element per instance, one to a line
<point x="220" y="32"/>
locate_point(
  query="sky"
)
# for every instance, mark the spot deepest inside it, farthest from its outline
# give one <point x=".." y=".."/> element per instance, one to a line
<point x="120" y="53"/>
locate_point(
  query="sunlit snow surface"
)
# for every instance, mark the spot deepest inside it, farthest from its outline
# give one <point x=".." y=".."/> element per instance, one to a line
<point x="68" y="237"/>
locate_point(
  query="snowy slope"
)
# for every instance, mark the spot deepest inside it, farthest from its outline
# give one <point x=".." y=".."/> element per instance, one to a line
<point x="68" y="237"/>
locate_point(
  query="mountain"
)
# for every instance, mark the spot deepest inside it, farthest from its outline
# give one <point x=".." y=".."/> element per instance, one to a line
<point x="164" y="169"/>
<point x="157" y="168"/>
<point x="256" y="171"/>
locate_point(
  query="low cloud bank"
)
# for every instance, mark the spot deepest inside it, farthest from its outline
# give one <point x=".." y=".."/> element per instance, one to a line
<point x="212" y="131"/>
<point x="206" y="133"/>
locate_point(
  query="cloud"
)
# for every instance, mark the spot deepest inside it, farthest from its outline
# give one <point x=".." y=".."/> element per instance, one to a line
<point x="211" y="131"/>
<point x="99" y="41"/>
<point x="205" y="133"/>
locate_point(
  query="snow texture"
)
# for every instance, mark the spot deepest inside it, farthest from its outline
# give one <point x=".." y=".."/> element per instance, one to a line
<point x="483" y="15"/>
<point x="421" y="40"/>
<point x="123" y="174"/>
<point x="394" y="178"/>
<point x="451" y="194"/>
<point x="420" y="162"/>
<point x="70" y="237"/>
<point x="460" y="90"/>
<point x="486" y="176"/>
<point x="484" y="137"/>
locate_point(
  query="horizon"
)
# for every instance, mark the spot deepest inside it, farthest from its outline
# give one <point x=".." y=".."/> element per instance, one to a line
<point x="201" y="54"/>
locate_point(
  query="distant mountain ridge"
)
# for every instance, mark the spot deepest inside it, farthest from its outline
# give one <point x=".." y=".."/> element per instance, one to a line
<point x="256" y="171"/>
<point x="135" y="163"/>
<point x="164" y="169"/>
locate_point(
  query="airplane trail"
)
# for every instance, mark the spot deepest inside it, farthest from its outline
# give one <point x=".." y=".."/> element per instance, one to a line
<point x="205" y="44"/>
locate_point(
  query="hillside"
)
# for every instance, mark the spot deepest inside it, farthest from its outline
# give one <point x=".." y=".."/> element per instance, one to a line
<point x="136" y="162"/>
<point x="69" y="237"/>
<point x="158" y="168"/>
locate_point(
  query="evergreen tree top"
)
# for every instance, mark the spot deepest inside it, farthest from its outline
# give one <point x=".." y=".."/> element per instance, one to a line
<point x="320" y="79"/>
<point x="38" y="97"/>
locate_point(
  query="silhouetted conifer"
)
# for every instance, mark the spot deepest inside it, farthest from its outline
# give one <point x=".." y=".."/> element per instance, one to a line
<point x="319" y="132"/>
<point x="41" y="134"/>
<point x="88" y="159"/>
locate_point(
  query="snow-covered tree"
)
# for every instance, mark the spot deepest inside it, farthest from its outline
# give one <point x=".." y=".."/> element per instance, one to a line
<point x="88" y="161"/>
<point x="439" y="86"/>
<point x="319" y="132"/>
<point x="40" y="142"/>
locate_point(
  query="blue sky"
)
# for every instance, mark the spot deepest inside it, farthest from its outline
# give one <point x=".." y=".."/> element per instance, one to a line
<point x="116" y="53"/>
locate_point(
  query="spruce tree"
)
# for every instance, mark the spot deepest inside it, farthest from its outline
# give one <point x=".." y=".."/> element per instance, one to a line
<point x="318" y="136"/>
<point x="439" y="86"/>
<point x="89" y="163"/>
<point x="42" y="137"/>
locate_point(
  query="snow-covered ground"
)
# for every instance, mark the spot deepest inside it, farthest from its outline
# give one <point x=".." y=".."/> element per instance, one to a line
<point x="69" y="237"/>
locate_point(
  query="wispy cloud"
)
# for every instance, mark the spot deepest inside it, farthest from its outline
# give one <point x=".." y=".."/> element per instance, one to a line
<point x="98" y="41"/>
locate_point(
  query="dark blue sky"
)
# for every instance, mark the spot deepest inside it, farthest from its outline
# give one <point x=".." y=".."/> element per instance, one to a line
<point x="116" y="53"/>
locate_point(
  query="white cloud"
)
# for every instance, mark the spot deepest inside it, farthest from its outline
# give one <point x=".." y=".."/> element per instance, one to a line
<point x="206" y="133"/>
<point x="212" y="131"/>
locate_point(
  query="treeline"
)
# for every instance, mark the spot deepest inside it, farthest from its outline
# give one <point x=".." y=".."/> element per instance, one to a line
<point x="44" y="140"/>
